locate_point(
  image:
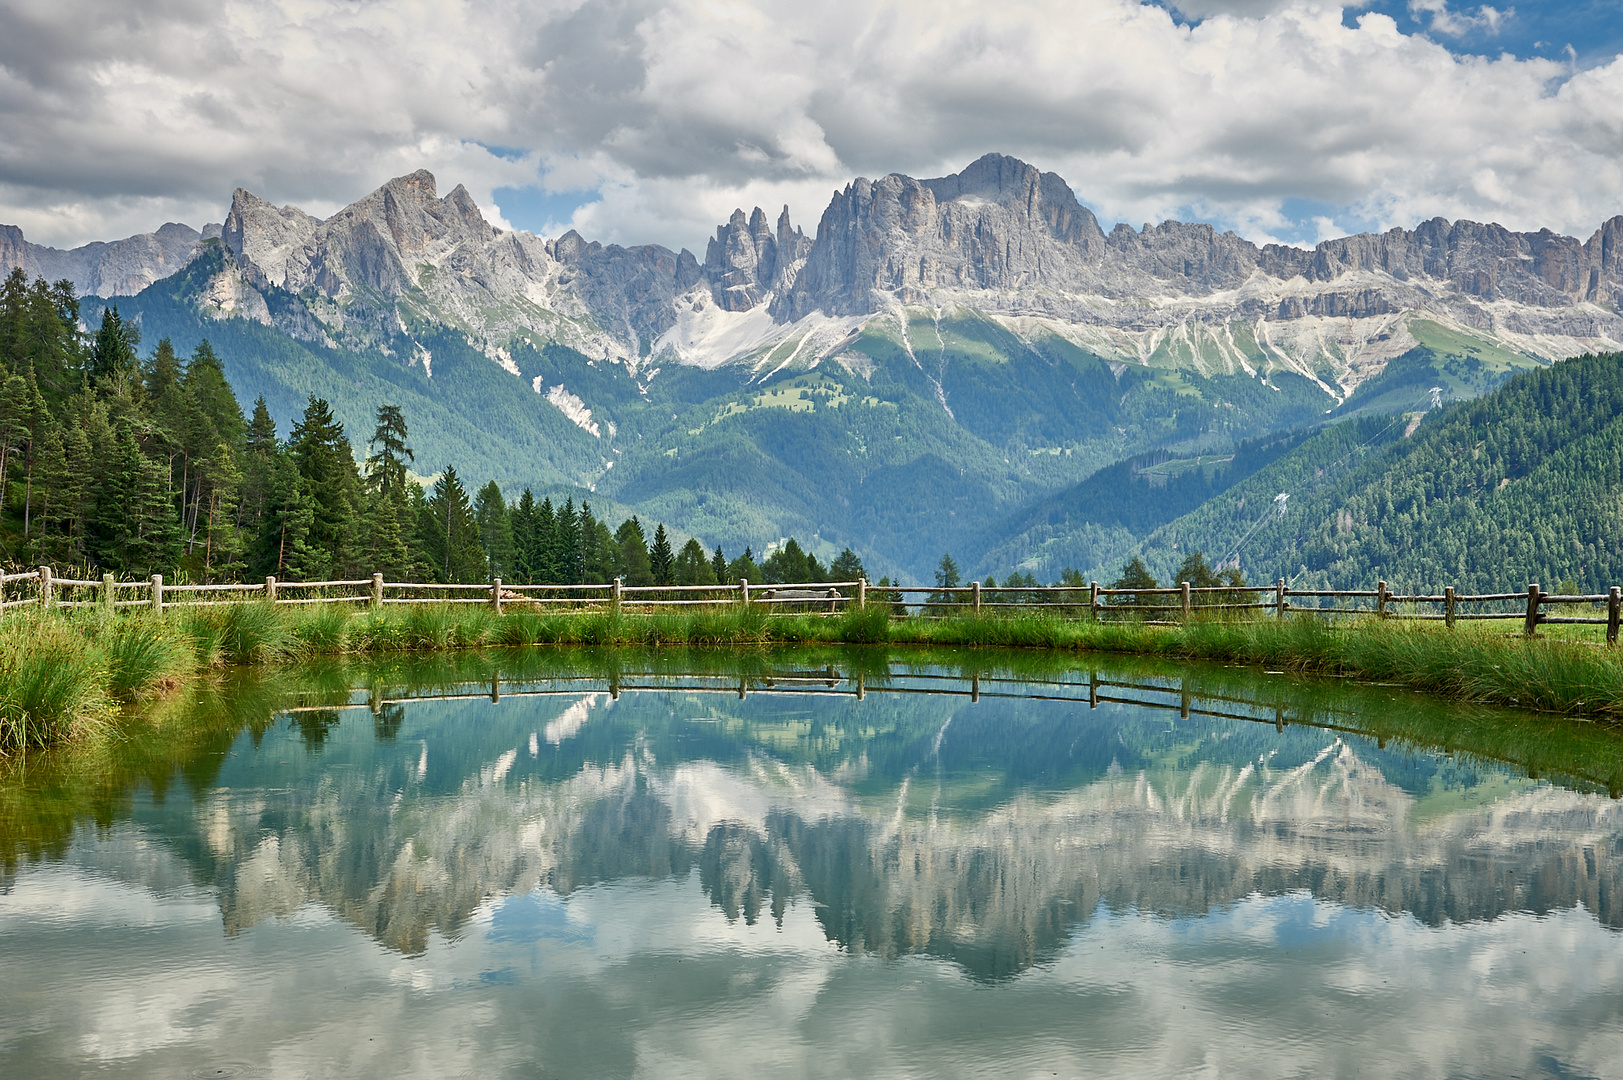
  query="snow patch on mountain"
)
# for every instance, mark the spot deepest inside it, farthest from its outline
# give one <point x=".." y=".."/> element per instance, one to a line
<point x="571" y="406"/>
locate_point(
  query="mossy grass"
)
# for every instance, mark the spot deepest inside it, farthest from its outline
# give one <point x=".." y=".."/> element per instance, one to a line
<point x="62" y="674"/>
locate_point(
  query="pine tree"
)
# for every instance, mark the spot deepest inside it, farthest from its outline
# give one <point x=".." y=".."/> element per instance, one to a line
<point x="718" y="567"/>
<point x="544" y="546"/>
<point x="523" y="519"/>
<point x="693" y="566"/>
<point x="1135" y="575"/>
<point x="495" y="531"/>
<point x="661" y="560"/>
<point x="631" y="551"/>
<point x="743" y="568"/>
<point x="847" y="567"/>
<point x="112" y="362"/>
<point x="332" y="482"/>
<point x="451" y="535"/>
<point x="567" y="567"/>
<point x="386" y="463"/>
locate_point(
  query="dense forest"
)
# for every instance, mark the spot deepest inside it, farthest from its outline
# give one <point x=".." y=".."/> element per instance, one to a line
<point x="1522" y="484"/>
<point x="114" y="461"/>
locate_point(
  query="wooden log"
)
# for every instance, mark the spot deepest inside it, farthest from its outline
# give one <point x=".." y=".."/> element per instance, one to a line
<point x="975" y="594"/>
<point x="614" y="597"/>
<point x="107" y="591"/>
<point x="270" y="589"/>
<point x="1381" y="597"/>
<point x="1093" y="600"/>
<point x="496" y="594"/>
<point x="744" y="590"/>
<point x="1279" y="598"/>
<point x="1448" y="606"/>
<point x="1530" y="624"/>
<point x="377" y="592"/>
<point x="862" y="594"/>
<point x="1185" y="586"/>
<point x="1614" y="608"/>
<point x="45" y="590"/>
<point x="157" y="592"/>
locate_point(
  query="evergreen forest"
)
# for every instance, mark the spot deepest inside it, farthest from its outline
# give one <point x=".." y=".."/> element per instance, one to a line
<point x="114" y="460"/>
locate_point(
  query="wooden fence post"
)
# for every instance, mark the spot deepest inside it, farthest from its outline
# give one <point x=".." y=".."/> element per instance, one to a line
<point x="1279" y="598"/>
<point x="1183" y="588"/>
<point x="1093" y="600"/>
<point x="107" y="592"/>
<point x="377" y="592"/>
<point x="1614" y="608"/>
<point x="614" y="597"/>
<point x="744" y="590"/>
<point x="862" y="594"/>
<point x="270" y="589"/>
<point x="157" y="592"/>
<point x="45" y="591"/>
<point x="496" y="594"/>
<point x="1380" y="599"/>
<point x="1533" y="597"/>
<point x="975" y="595"/>
<point x="1448" y="607"/>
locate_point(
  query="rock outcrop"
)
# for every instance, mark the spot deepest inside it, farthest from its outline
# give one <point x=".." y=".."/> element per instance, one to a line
<point x="120" y="268"/>
<point x="1001" y="238"/>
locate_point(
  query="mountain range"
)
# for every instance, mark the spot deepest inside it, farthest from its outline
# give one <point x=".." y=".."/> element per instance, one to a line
<point x="940" y="357"/>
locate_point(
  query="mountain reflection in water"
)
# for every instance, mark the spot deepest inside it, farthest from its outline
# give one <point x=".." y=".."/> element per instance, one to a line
<point x="990" y="817"/>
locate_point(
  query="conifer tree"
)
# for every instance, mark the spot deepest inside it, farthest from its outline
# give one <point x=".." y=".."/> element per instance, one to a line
<point x="567" y="567"/>
<point x="451" y="532"/>
<point x="847" y="567"/>
<point x="718" y="567"/>
<point x="495" y="531"/>
<point x="631" y="554"/>
<point x="330" y="479"/>
<point x="544" y="546"/>
<point x="661" y="560"/>
<point x="523" y="517"/>
<point x="693" y="566"/>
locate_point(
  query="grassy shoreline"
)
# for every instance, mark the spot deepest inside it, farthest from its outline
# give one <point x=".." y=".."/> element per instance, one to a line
<point x="68" y="676"/>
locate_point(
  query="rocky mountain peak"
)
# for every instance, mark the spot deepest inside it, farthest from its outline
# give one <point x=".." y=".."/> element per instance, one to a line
<point x="748" y="260"/>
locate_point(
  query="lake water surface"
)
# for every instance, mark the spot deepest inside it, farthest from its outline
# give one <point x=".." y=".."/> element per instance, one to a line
<point x="829" y="864"/>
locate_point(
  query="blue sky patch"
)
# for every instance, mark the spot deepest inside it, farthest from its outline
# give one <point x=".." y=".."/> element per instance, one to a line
<point x="534" y="209"/>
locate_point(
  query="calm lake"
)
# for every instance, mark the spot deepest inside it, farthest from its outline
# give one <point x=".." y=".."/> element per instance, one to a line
<point x="824" y="864"/>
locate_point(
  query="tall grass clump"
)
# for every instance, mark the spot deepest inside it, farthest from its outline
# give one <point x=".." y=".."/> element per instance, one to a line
<point x="249" y="632"/>
<point x="319" y="629"/>
<point x="53" y="683"/>
<point x="148" y="654"/>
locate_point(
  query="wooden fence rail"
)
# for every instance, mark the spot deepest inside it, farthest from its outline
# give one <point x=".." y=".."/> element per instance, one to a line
<point x="1533" y="606"/>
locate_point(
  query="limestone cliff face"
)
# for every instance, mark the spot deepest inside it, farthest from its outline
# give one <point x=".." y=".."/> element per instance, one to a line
<point x="1003" y="227"/>
<point x="1001" y="238"/>
<point x="120" y="268"/>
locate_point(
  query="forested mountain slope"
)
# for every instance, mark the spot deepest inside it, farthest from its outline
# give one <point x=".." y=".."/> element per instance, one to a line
<point x="1523" y="484"/>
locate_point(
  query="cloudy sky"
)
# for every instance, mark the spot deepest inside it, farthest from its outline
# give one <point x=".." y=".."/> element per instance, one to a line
<point x="648" y="120"/>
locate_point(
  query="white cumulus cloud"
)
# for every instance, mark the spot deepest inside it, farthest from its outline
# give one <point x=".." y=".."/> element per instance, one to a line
<point x="1273" y="117"/>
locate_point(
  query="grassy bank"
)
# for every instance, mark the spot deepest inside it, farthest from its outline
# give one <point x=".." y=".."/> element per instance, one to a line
<point x="65" y="675"/>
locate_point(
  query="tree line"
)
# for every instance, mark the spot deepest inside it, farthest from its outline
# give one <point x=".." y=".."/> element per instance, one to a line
<point x="117" y="462"/>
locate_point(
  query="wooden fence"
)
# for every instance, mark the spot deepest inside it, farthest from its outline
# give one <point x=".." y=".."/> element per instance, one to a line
<point x="1533" y="606"/>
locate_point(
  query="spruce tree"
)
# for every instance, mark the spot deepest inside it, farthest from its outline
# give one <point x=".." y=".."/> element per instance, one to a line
<point x="331" y="480"/>
<point x="495" y="531"/>
<point x="544" y="546"/>
<point x="567" y="565"/>
<point x="718" y="567"/>
<point x="661" y="560"/>
<point x="631" y="554"/>
<point x="847" y="567"/>
<point x="693" y="566"/>
<point x="523" y="521"/>
<point x="451" y="535"/>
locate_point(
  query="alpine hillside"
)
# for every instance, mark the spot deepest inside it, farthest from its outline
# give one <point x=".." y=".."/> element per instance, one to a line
<point x="937" y="359"/>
